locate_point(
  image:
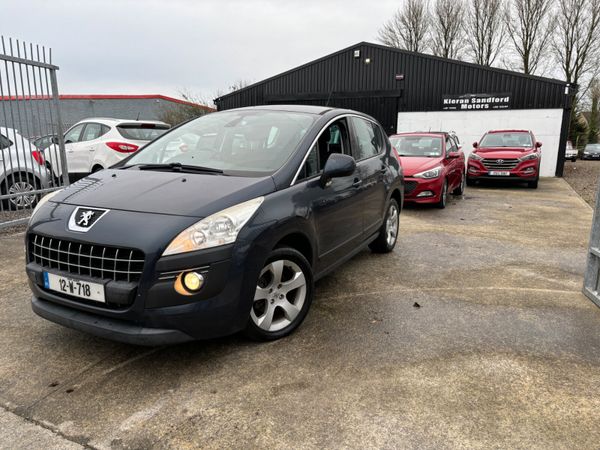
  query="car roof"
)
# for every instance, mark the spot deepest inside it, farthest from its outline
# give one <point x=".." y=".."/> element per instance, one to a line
<point x="114" y="121"/>
<point x="422" y="133"/>
<point x="310" y="109"/>
<point x="509" y="131"/>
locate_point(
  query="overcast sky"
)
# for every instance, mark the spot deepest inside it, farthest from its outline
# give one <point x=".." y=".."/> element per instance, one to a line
<point x="163" y="47"/>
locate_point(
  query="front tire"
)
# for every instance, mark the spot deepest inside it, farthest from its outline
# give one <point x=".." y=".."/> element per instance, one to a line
<point x="283" y="295"/>
<point x="388" y="233"/>
<point x="443" y="196"/>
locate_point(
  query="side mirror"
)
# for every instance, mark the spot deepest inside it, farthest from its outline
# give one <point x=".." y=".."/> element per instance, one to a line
<point x="538" y="145"/>
<point x="337" y="165"/>
<point x="475" y="145"/>
<point x="54" y="140"/>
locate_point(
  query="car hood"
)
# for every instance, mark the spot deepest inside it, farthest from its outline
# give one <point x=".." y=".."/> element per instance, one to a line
<point x="415" y="164"/>
<point x="174" y="193"/>
<point x="502" y="152"/>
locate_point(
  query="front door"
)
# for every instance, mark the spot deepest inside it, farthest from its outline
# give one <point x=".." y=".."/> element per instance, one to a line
<point x="336" y="207"/>
<point x="75" y="162"/>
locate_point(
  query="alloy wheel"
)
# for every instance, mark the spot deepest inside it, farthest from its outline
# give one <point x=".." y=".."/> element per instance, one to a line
<point x="392" y="225"/>
<point x="22" y="188"/>
<point x="280" y="295"/>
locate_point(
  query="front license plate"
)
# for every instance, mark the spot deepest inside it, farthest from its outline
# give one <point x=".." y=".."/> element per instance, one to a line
<point x="74" y="287"/>
<point x="499" y="174"/>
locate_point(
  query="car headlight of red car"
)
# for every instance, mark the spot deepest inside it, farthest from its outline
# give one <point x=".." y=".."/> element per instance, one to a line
<point x="530" y="157"/>
<point x="475" y="157"/>
<point x="431" y="173"/>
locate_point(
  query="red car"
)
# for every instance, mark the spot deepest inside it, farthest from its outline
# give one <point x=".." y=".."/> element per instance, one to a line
<point x="433" y="165"/>
<point x="512" y="155"/>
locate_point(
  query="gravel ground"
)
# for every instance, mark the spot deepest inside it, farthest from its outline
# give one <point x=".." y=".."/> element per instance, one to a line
<point x="583" y="177"/>
<point x="7" y="216"/>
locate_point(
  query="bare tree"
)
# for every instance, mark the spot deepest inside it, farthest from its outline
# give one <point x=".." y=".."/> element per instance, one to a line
<point x="576" y="40"/>
<point x="594" y="122"/>
<point x="195" y="106"/>
<point x="408" y="27"/>
<point x="485" y="30"/>
<point x="239" y="84"/>
<point x="529" y="25"/>
<point x="446" y="28"/>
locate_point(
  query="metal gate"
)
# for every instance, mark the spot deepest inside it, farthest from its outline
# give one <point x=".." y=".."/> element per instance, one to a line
<point x="591" y="283"/>
<point x="32" y="158"/>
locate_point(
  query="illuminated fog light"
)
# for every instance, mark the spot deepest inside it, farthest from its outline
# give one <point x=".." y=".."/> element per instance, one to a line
<point x="529" y="170"/>
<point x="472" y="170"/>
<point x="193" y="281"/>
<point x="425" y="194"/>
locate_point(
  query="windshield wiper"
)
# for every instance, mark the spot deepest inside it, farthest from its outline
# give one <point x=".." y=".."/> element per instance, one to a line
<point x="175" y="167"/>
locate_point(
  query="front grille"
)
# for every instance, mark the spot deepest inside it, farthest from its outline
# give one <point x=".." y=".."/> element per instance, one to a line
<point x="500" y="164"/>
<point x="97" y="261"/>
<point x="409" y="186"/>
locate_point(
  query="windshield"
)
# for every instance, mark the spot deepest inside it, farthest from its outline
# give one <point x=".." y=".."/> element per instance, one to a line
<point x="249" y="142"/>
<point x="142" y="131"/>
<point x="592" y="148"/>
<point x="417" y="145"/>
<point x="518" y="139"/>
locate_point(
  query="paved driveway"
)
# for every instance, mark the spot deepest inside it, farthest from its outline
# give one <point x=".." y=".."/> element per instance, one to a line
<point x="504" y="350"/>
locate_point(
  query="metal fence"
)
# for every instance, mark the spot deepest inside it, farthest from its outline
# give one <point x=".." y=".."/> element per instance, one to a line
<point x="591" y="282"/>
<point x="32" y="158"/>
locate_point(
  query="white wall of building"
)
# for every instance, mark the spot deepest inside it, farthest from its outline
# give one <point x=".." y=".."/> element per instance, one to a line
<point x="471" y="125"/>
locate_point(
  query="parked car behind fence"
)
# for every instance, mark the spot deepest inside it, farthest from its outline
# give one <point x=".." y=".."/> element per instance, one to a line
<point x="23" y="169"/>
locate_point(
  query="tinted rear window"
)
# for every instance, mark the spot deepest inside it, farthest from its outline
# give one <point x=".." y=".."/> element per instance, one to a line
<point x="141" y="132"/>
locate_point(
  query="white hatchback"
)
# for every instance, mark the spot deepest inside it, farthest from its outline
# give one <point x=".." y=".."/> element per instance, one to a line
<point x="98" y="143"/>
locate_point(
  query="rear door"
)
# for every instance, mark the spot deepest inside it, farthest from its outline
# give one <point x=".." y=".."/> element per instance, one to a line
<point x="369" y="153"/>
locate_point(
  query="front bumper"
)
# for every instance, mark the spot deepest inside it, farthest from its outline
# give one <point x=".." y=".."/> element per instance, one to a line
<point x="113" y="329"/>
<point x="152" y="312"/>
<point x="419" y="190"/>
<point x="524" y="171"/>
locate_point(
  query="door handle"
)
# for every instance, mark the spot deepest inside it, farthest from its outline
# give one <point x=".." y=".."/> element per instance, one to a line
<point x="357" y="182"/>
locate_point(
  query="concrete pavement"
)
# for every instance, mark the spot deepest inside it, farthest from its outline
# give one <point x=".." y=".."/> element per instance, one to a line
<point x="503" y="352"/>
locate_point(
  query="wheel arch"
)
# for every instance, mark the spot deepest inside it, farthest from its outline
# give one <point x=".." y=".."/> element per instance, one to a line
<point x="298" y="241"/>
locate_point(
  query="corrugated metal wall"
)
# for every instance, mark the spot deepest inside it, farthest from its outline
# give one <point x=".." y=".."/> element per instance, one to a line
<point x="426" y="80"/>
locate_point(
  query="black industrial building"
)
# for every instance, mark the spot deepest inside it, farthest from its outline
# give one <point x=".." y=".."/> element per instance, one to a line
<point x="386" y="82"/>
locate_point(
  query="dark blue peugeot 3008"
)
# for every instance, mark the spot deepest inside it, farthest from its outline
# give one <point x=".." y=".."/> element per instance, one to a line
<point x="221" y="225"/>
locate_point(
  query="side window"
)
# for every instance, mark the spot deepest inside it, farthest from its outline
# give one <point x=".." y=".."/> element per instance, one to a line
<point x="105" y="129"/>
<point x="368" y="138"/>
<point x="450" y="145"/>
<point x="92" y="131"/>
<point x="4" y="142"/>
<point x="74" y="134"/>
<point x="334" y="139"/>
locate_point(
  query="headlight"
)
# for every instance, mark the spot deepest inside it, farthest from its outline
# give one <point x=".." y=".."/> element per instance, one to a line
<point x="431" y="173"/>
<point x="42" y="201"/>
<point x="219" y="229"/>
<point x="529" y="157"/>
<point x="475" y="156"/>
